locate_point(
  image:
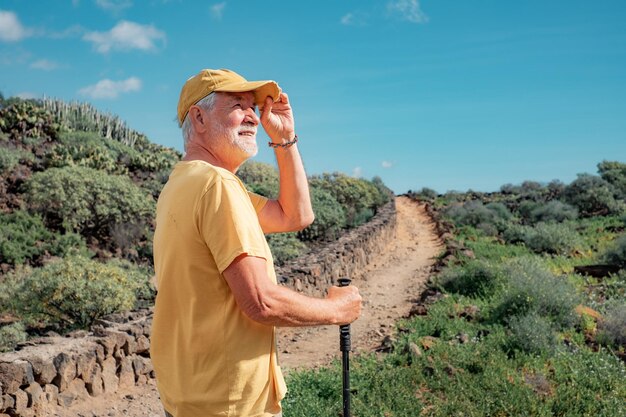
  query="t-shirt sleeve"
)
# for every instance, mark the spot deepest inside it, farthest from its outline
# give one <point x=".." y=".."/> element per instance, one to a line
<point x="229" y="224"/>
<point x="258" y="201"/>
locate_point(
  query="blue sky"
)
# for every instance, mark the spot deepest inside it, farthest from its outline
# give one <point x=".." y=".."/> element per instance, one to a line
<point x="451" y="95"/>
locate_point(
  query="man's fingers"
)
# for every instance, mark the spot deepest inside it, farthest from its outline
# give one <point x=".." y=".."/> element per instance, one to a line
<point x="267" y="108"/>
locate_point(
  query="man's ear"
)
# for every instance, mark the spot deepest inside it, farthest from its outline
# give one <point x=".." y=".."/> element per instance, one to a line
<point x="197" y="118"/>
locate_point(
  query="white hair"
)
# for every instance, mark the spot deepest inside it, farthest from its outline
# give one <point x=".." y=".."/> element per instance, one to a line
<point x="205" y="103"/>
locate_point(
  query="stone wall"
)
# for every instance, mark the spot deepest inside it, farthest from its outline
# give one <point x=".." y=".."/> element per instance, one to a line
<point x="58" y="371"/>
<point x="52" y="372"/>
<point x="349" y="256"/>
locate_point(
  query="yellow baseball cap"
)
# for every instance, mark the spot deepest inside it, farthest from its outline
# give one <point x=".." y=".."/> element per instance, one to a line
<point x="210" y="80"/>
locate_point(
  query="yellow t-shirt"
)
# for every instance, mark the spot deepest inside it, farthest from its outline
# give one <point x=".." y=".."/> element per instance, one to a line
<point x="210" y="359"/>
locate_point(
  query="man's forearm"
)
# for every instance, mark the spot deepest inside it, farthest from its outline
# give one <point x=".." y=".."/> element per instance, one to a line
<point x="293" y="196"/>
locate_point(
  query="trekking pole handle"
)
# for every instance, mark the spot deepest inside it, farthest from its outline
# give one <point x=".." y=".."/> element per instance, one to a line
<point x="344" y="330"/>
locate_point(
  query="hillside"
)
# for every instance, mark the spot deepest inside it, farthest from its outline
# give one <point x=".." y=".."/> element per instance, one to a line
<point x="78" y="192"/>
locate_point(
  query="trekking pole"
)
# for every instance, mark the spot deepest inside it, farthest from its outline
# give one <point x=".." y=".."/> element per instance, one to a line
<point x="344" y="345"/>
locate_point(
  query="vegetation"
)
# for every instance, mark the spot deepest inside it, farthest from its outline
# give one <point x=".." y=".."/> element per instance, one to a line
<point x="78" y="193"/>
<point x="516" y="331"/>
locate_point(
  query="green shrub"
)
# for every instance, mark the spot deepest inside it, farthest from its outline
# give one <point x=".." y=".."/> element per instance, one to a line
<point x="11" y="335"/>
<point x="355" y="195"/>
<point x="260" y="178"/>
<point x="22" y="237"/>
<point x="616" y="254"/>
<point x="28" y="119"/>
<point x="476" y="278"/>
<point x="72" y="292"/>
<point x="592" y="195"/>
<point x="285" y="246"/>
<point x="531" y="288"/>
<point x="425" y="193"/>
<point x="553" y="211"/>
<point x="614" y="173"/>
<point x="532" y="334"/>
<point x="612" y="328"/>
<point x="553" y="238"/>
<point x="88" y="201"/>
<point x="491" y="218"/>
<point x="330" y="218"/>
<point x="10" y="158"/>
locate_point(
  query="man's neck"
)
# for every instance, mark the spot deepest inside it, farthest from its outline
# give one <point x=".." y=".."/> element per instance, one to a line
<point x="202" y="154"/>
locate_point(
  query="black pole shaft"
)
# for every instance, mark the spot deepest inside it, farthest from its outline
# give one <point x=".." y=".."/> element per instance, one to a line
<point x="344" y="344"/>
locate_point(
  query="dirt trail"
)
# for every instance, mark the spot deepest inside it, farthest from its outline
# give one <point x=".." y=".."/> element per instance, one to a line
<point x="388" y="289"/>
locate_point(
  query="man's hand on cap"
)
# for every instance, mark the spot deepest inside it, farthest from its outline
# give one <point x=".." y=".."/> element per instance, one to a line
<point x="277" y="119"/>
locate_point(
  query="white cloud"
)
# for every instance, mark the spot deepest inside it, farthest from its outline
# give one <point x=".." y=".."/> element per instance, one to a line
<point x="407" y="10"/>
<point x="44" y="64"/>
<point x="354" y="19"/>
<point x="11" y="30"/>
<point x="386" y="164"/>
<point x="108" y="89"/>
<point x="347" y="19"/>
<point x="126" y="36"/>
<point x="114" y="6"/>
<point x="74" y="30"/>
<point x="217" y="10"/>
<point x="357" y="172"/>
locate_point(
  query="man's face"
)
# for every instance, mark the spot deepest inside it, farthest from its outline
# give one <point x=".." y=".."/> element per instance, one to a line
<point x="234" y="124"/>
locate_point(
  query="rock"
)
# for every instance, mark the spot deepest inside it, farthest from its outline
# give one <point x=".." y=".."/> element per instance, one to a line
<point x="43" y="370"/>
<point x="428" y="342"/>
<point x="66" y="370"/>
<point x="75" y="391"/>
<point x="11" y="377"/>
<point x="51" y="393"/>
<point x="142" y="366"/>
<point x="414" y="350"/>
<point x="143" y="345"/>
<point x="470" y="312"/>
<point x="85" y="364"/>
<point x="463" y="337"/>
<point x="95" y="385"/>
<point x="99" y="351"/>
<point x="126" y="374"/>
<point x="109" y="377"/>
<point x="418" y="310"/>
<point x="21" y="402"/>
<point x="8" y="401"/>
<point x="28" y="377"/>
<point x="35" y="394"/>
<point x="130" y="346"/>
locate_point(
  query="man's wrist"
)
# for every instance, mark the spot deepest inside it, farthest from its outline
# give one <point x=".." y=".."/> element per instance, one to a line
<point x="285" y="143"/>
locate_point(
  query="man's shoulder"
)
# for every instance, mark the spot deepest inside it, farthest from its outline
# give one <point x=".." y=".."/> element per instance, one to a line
<point x="205" y="173"/>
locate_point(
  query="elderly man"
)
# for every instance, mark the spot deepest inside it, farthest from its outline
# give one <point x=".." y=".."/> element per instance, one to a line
<point x="213" y="339"/>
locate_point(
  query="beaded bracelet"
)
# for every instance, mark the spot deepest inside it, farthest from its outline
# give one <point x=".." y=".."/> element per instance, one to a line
<point x="283" y="145"/>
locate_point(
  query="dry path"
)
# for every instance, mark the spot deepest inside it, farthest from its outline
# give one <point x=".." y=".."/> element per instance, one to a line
<point x="388" y="289"/>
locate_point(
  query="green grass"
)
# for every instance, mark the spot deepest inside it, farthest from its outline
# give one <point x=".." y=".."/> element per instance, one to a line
<point x="472" y="365"/>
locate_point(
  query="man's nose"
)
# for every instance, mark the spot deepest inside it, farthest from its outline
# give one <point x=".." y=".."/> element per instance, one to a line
<point x="251" y="116"/>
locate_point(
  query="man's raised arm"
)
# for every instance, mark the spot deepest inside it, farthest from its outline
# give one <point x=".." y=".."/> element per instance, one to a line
<point x="292" y="210"/>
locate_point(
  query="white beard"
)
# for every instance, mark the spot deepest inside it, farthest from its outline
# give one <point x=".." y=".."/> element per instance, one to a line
<point x="240" y="144"/>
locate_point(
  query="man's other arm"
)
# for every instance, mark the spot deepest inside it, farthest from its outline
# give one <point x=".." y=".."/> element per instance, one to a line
<point x="292" y="210"/>
<point x="272" y="304"/>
